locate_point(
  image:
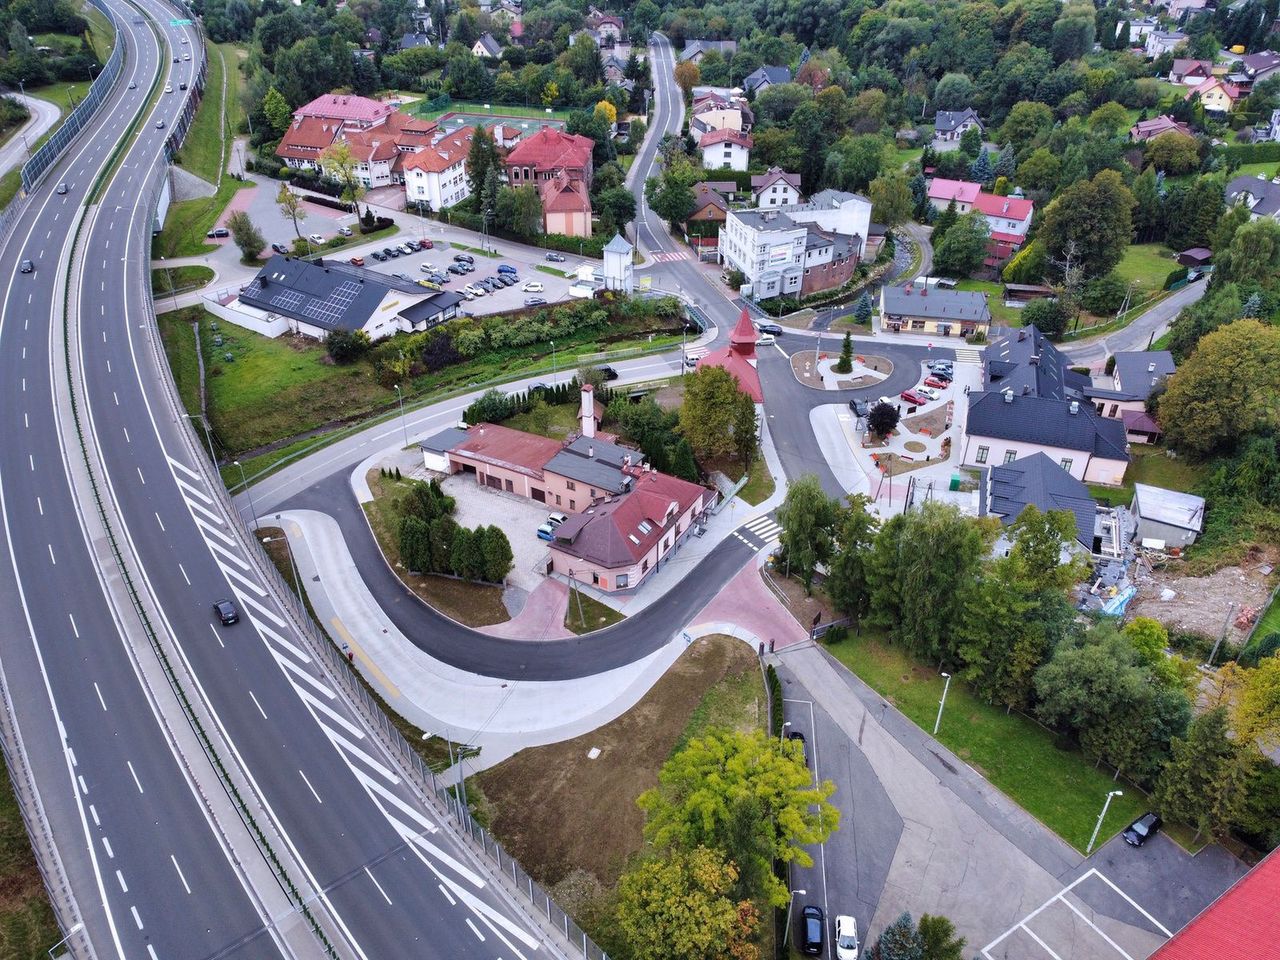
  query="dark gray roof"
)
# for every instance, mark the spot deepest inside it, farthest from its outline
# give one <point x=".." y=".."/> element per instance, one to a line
<point x="844" y="245"/>
<point x="331" y="296"/>
<point x="1048" y="422"/>
<point x="435" y="306"/>
<point x="1025" y="362"/>
<point x="1139" y="371"/>
<point x="766" y="75"/>
<point x="947" y="120"/>
<point x="936" y="304"/>
<point x="595" y="462"/>
<point x="411" y="40"/>
<point x="1263" y="191"/>
<point x="490" y="45"/>
<point x="693" y="48"/>
<point x="1038" y="480"/>
<point x="445" y="440"/>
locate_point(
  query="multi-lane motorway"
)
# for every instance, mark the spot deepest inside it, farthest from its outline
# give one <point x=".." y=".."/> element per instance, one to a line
<point x="158" y="865"/>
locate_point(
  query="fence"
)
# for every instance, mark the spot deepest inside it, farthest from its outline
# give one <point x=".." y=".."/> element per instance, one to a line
<point x="182" y="125"/>
<point x="35" y="168"/>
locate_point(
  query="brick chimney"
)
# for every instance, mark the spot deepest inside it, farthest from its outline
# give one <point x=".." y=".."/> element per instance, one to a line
<point x="588" y="410"/>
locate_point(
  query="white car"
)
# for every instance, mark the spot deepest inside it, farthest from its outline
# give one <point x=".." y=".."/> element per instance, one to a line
<point x="315" y="238"/>
<point x="891" y="401"/>
<point x="933" y="393"/>
<point x="533" y="286"/>
<point x="846" y="938"/>
<point x="765" y="339"/>
<point x="428" y="268"/>
<point x="168" y="88"/>
<point x="474" y="289"/>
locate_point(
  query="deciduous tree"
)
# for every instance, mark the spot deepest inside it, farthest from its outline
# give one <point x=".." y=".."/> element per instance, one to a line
<point x="687" y="77"/>
<point x="1097" y="215"/>
<point x="808" y="518"/>
<point x="938" y="940"/>
<point x="290" y="205"/>
<point x="708" y="411"/>
<point x="276" y="109"/>
<point x="891" y="202"/>
<point x="246" y="235"/>
<point x="340" y="165"/>
<point x="964" y="246"/>
<point x="847" y="584"/>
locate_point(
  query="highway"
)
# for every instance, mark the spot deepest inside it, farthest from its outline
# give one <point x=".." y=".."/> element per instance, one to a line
<point x="151" y="874"/>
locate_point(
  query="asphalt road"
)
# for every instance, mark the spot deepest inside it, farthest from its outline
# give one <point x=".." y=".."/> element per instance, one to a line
<point x="22" y="142"/>
<point x="1138" y="335"/>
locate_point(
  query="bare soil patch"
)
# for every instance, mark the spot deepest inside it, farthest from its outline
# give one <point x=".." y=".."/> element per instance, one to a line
<point x="790" y="591"/>
<point x="933" y="423"/>
<point x="1201" y="604"/>
<point x="568" y="817"/>
<point x="671" y="396"/>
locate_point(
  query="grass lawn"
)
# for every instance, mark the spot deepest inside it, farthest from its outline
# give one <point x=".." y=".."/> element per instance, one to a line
<point x="555" y="272"/>
<point x="759" y="485"/>
<point x="1150" y="465"/>
<point x="597" y="828"/>
<point x="556" y="421"/>
<point x="908" y="155"/>
<point x="188" y="221"/>
<point x="1006" y="316"/>
<point x="594" y="614"/>
<point x="1270" y="622"/>
<point x="1253" y="169"/>
<point x="208" y="144"/>
<point x="183" y="278"/>
<point x="102" y="35"/>
<point x="28" y="929"/>
<point x="1059" y="787"/>
<point x="626" y="160"/>
<point x="1148" y="264"/>
<point x="474" y="604"/>
<point x="498" y="110"/>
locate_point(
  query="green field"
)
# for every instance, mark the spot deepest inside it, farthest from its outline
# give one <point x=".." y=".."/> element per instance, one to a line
<point x="177" y="279"/>
<point x="1149" y="465"/>
<point x="481" y="115"/>
<point x="207" y="148"/>
<point x="1005" y="316"/>
<point x="1148" y="264"/>
<point x="188" y="221"/>
<point x="594" y="614"/>
<point x="28" y="929"/>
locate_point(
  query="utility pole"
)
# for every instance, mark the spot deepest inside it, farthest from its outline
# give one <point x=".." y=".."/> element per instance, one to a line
<point x="1098" y="826"/>
<point x="942" y="703"/>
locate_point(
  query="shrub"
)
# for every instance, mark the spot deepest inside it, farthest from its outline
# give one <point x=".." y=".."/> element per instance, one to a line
<point x="1174" y="276"/>
<point x="347" y="346"/>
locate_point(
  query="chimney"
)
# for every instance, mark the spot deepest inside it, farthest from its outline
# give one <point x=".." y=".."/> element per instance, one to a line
<point x="1008" y="396"/>
<point x="588" y="415"/>
<point x="591" y="451"/>
<point x="1022" y="334"/>
<point x="1151" y="368"/>
<point x="1075" y="407"/>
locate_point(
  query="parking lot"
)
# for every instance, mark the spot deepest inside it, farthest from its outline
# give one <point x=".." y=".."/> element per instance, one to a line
<point x="517" y="517"/>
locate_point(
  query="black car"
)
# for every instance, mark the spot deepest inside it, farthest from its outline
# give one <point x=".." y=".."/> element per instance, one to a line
<point x="813" y="926"/>
<point x="795" y="736"/>
<point x="609" y="373"/>
<point x="226" y="611"/>
<point x="378" y="255"/>
<point x="770" y="328"/>
<point x="860" y="408"/>
<point x="463" y="258"/>
<point x="280" y="248"/>
<point x="456" y="270"/>
<point x="1142" y="829"/>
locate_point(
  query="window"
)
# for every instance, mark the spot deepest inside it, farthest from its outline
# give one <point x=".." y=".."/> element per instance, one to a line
<point x="1115" y="408"/>
<point x="510" y="487"/>
<point x="570" y="485"/>
<point x="593" y="493"/>
<point x="1066" y="464"/>
<point x="622" y="581"/>
<point x="644" y="566"/>
<point x="595" y="577"/>
<point x="645" y="526"/>
<point x="572" y="504"/>
<point x="1010" y="456"/>
<point x="981" y="456"/>
<point x="557" y="499"/>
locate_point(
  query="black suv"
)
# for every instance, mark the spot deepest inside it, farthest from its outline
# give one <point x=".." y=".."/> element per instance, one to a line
<point x="1142" y="829"/>
<point x="609" y="373"/>
<point x="813" y="925"/>
<point x="226" y="611"/>
<point x="464" y="258"/>
<point x="770" y="328"/>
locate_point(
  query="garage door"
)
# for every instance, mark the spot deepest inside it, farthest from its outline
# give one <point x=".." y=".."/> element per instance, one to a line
<point x="539" y="495"/>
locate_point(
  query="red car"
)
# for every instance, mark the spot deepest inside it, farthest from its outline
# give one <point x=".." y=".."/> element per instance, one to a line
<point x="937" y="382"/>
<point x="357" y="261"/>
<point x="425" y="244"/>
<point x="913" y="398"/>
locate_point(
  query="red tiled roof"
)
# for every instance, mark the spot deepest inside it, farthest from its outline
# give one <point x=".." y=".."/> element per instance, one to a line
<point x="1012" y="238"/>
<point x="961" y="191"/>
<point x="1242" y="924"/>
<point x="712" y="137"/>
<point x="737" y="357"/>
<point x="1146" y="129"/>
<point x="442" y="155"/>
<point x="341" y="106"/>
<point x="511" y="449"/>
<point x="1012" y="208"/>
<point x="307" y="137"/>
<point x="1232" y="91"/>
<point x="566" y="196"/>
<point x="551" y="149"/>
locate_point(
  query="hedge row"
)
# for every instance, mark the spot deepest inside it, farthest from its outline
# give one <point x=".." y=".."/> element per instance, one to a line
<point x="1251" y="152"/>
<point x="590" y="246"/>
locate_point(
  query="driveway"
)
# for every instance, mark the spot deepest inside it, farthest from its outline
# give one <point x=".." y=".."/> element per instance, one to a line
<point x="517" y="517"/>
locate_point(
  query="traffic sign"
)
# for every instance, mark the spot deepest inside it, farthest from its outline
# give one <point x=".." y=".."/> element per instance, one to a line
<point x="180" y="23"/>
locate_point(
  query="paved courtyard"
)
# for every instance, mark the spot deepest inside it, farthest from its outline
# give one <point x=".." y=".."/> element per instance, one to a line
<point x="517" y="517"/>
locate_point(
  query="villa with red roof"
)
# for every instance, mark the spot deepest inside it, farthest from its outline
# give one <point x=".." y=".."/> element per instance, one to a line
<point x="559" y="165"/>
<point x="942" y="192"/>
<point x="739" y="358"/>
<point x="566" y="208"/>
<point x="1008" y="218"/>
<point x="725" y="149"/>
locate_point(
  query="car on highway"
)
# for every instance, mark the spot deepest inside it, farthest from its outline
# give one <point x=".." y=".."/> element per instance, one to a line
<point x="185" y="41"/>
<point x="159" y="124"/>
<point x="555" y="257"/>
<point x="26" y="266"/>
<point x="1142" y="829"/>
<point x="547" y="532"/>
<point x="182" y="85"/>
<point x="464" y="258"/>
<point x="315" y="238"/>
<point x="534" y="301"/>
<point x="175" y="59"/>
<point x="186" y="56"/>
<point x="933" y="380"/>
<point x="218" y="232"/>
<point x="168" y="88"/>
<point x="609" y="372"/>
<point x="506" y="268"/>
<point x="846" y="938"/>
<point x="931" y="393"/>
<point x="533" y="286"/>
<point x="133" y="85"/>
<point x="813" y="928"/>
<point x="280" y="248"/>
<point x="344" y="231"/>
<point x="226" y="612"/>
<point x="357" y="261"/>
<point x="913" y="398"/>
<point x="770" y="328"/>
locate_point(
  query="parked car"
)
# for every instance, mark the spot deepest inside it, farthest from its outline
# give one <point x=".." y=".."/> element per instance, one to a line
<point x="215" y="232"/>
<point x="945" y="375"/>
<point x="913" y="398"/>
<point x="467" y="294"/>
<point x="931" y="393"/>
<point x="463" y="258"/>
<point x="1142" y="829"/>
<point x="534" y="301"/>
<point x="467" y="268"/>
<point x="487" y="285"/>
<point x="933" y="380"/>
<point x="795" y="736"/>
<point x="357" y="261"/>
<point x="344" y="231"/>
<point x="555" y="257"/>
<point x="403" y="276"/>
<point x="26" y="267"/>
<point x="547" y="532"/>
<point x="456" y="270"/>
<point x="315" y="238"/>
<point x="428" y="268"/>
<point x="508" y="279"/>
<point x="391" y="252"/>
<point x="939" y="364"/>
<point x="533" y="286"/>
<point x="226" y="612"/>
<point x="474" y="289"/>
<point x="770" y="328"/>
<point x="813" y="928"/>
<point x="556" y="519"/>
<point x="408" y="248"/>
<point x="765" y="339"/>
<point x="429" y="284"/>
<point x="378" y="255"/>
<point x="506" y="268"/>
<point x="280" y="248"/>
<point x="425" y="244"/>
<point x="846" y="938"/>
<point x="609" y="372"/>
<point x="860" y="408"/>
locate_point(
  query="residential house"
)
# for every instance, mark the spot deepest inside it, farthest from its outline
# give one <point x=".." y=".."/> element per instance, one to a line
<point x="950" y="125"/>
<point x="927" y="309"/>
<point x="714" y="111"/>
<point x="709" y="205"/>
<point x="1271" y="129"/>
<point x="1178" y="9"/>
<point x="609" y="30"/>
<point x="1036" y="481"/>
<point x="797" y="249"/>
<point x="1259" y="66"/>
<point x="1139" y="29"/>
<point x="487" y="46"/>
<point x="775" y="188"/>
<point x="1191" y="72"/>
<point x="1008" y="220"/>
<point x="1260" y="195"/>
<point x="766" y="76"/>
<point x="739" y="357"/>
<point x="695" y="50"/>
<point x="1217" y="95"/>
<point x="1137" y="374"/>
<point x="412" y="41"/>
<point x="943" y="192"/>
<point x="1163" y="41"/>
<point x="1031" y="401"/>
<point x="615" y="70"/>
<point x="566" y="207"/>
<point x="1167" y="518"/>
<point x="1145" y="130"/>
<point x="437" y="175"/>
<point x="725" y="150"/>
<point x="315" y="298"/>
<point x="559" y="165"/>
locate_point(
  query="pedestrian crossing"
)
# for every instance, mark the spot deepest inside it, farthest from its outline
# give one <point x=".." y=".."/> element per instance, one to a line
<point x="968" y="355"/>
<point x="759" y="533"/>
<point x="671" y="257"/>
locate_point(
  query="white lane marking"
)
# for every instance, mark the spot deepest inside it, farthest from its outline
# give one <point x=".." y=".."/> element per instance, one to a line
<point x="107" y="844"/>
<point x="180" y="874"/>
<point x="151" y="952"/>
<point x="136" y="782"/>
<point x="26" y="422"/>
<point x="310" y="787"/>
<point x="217" y="637"/>
<point x="161" y="522"/>
<point x="258" y="705"/>
<point x="300" y="673"/>
<point x="123" y="886"/>
<point x="24" y="384"/>
<point x="108" y="366"/>
<point x="115" y="398"/>
<point x="475" y="929"/>
<point x="379" y="886"/>
<point x="32" y="460"/>
<point x="98" y="691"/>
<point x="40" y="506"/>
<point x="183" y="571"/>
<point x="136" y="919"/>
<point x="93" y="812"/>
<point x="74" y="628"/>
<point x="140" y="476"/>
<point x="52" y="558"/>
<point x="185" y="469"/>
<point x="448" y="896"/>
<point x="84" y="788"/>
<point x="72" y="754"/>
<point x="126" y="435"/>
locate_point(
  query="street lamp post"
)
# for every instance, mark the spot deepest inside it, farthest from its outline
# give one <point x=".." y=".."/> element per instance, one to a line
<point x="783" y="733"/>
<point x="245" y="483"/>
<point x="169" y="276"/>
<point x="404" y="426"/>
<point x="297" y="583"/>
<point x="942" y="703"/>
<point x="786" y="930"/>
<point x="70" y="933"/>
<point x="1102" y="816"/>
<point x="207" y="436"/>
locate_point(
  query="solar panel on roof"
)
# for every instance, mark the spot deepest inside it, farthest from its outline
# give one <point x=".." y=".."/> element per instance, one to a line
<point x="254" y="289"/>
<point x="287" y="300"/>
